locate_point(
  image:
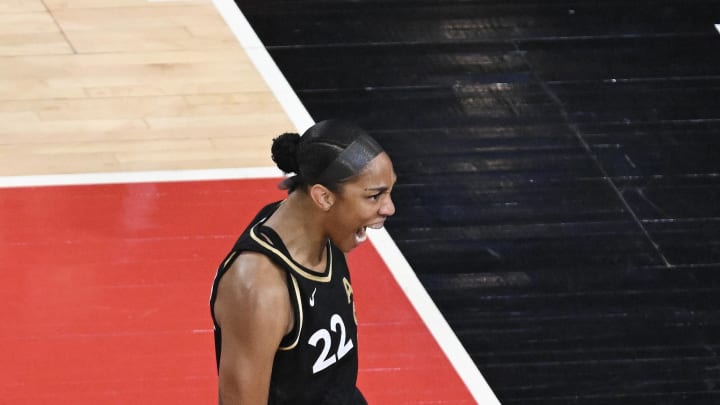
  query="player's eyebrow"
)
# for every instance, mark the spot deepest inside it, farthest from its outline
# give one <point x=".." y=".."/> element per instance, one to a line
<point x="378" y="189"/>
<point x="383" y="188"/>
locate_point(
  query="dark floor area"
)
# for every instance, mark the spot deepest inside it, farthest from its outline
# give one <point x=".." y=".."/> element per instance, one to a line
<point x="559" y="177"/>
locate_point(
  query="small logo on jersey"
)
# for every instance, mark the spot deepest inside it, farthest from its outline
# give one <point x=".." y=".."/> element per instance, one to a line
<point x="312" y="298"/>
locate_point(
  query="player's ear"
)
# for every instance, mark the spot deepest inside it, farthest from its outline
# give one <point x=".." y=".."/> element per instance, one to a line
<point x="322" y="197"/>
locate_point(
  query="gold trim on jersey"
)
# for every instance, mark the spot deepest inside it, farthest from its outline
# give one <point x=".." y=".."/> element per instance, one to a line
<point x="296" y="288"/>
<point x="296" y="268"/>
<point x="222" y="268"/>
<point x="230" y="257"/>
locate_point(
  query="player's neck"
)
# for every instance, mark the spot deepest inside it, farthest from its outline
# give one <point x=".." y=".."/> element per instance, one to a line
<point x="301" y="231"/>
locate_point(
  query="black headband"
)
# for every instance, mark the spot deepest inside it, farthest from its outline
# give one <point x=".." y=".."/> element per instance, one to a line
<point x="351" y="160"/>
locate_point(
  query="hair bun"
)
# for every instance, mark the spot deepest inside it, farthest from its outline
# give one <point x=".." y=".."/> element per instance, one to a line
<point x="284" y="152"/>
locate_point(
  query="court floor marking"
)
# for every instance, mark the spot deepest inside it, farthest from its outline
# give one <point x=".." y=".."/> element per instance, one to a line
<point x="381" y="240"/>
<point x="265" y="65"/>
<point x="139" y="177"/>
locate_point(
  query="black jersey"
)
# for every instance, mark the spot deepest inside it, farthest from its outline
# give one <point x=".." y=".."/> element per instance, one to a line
<point x="317" y="362"/>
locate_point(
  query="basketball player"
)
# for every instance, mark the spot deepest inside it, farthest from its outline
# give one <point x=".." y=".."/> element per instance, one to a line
<point x="282" y="300"/>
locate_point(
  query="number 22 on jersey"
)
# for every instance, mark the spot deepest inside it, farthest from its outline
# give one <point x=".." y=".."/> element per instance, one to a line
<point x="323" y="338"/>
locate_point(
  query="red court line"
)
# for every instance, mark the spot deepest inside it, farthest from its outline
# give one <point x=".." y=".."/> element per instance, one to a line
<point x="105" y="291"/>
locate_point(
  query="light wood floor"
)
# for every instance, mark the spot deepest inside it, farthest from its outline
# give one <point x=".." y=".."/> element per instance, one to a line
<point x="128" y="85"/>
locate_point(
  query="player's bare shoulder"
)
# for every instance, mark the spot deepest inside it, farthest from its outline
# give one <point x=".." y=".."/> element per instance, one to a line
<point x="253" y="285"/>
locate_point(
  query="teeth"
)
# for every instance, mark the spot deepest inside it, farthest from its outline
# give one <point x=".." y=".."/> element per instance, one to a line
<point x="360" y="235"/>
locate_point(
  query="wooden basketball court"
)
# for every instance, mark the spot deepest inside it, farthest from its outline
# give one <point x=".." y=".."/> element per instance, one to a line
<point x="134" y="147"/>
<point x="98" y="86"/>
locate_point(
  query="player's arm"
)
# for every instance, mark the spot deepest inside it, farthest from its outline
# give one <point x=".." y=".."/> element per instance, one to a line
<point x="254" y="312"/>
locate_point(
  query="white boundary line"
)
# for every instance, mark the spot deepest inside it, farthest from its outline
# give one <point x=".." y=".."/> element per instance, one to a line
<point x="138" y="177"/>
<point x="433" y="318"/>
<point x="264" y="63"/>
<point x="380" y="239"/>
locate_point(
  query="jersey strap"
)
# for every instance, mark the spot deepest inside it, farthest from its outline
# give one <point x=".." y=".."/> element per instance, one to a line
<point x="280" y="253"/>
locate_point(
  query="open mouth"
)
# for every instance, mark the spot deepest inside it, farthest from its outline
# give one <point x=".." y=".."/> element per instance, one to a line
<point x="361" y="233"/>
